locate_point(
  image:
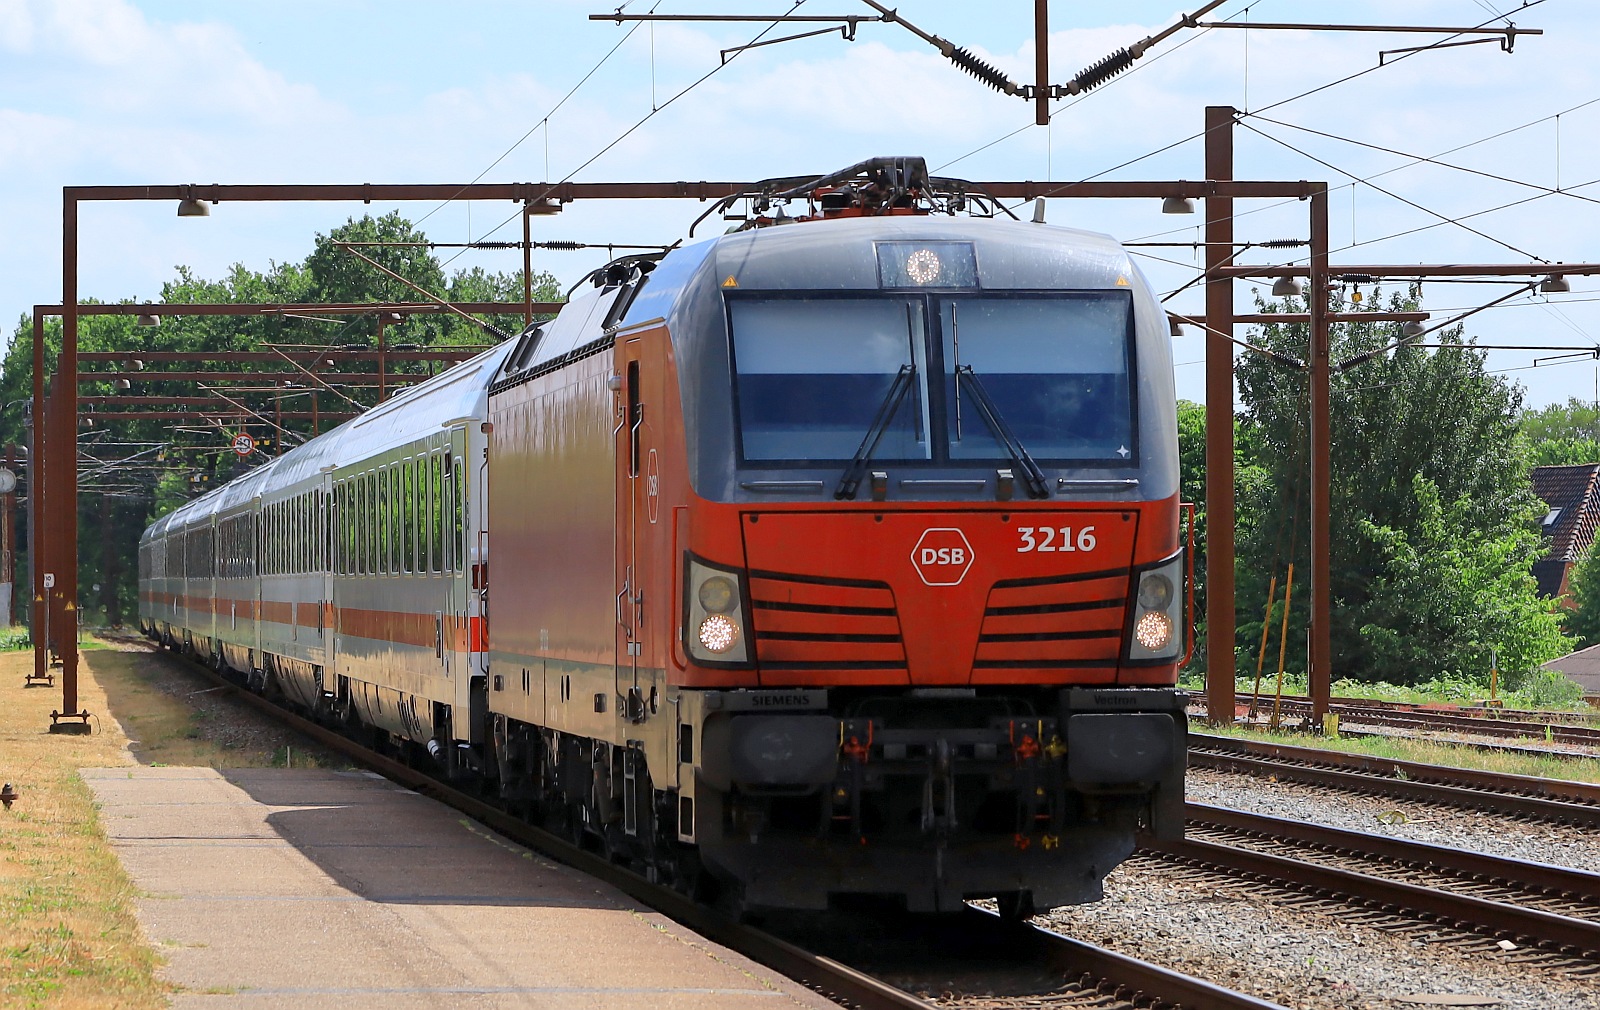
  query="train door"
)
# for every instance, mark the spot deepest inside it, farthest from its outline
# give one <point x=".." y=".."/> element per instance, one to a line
<point x="455" y="626"/>
<point x="323" y="558"/>
<point x="258" y="563"/>
<point x="639" y="581"/>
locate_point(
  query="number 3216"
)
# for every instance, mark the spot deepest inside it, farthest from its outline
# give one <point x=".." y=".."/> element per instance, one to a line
<point x="1045" y="539"/>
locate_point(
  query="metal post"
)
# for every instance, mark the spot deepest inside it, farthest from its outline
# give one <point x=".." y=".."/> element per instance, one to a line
<point x="1219" y="423"/>
<point x="1041" y="62"/>
<point x="527" y="264"/>
<point x="383" y="364"/>
<point x="64" y="493"/>
<point x="8" y="540"/>
<point x="38" y="516"/>
<point x="1321" y="672"/>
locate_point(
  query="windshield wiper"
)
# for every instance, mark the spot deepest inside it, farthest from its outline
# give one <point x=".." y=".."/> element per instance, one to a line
<point x="880" y="424"/>
<point x="1031" y="474"/>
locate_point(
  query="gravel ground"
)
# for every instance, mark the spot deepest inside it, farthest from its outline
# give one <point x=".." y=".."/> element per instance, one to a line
<point x="1311" y="958"/>
<point x="1577" y="848"/>
<point x="1301" y="958"/>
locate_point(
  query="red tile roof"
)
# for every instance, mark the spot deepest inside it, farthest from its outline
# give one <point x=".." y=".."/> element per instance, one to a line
<point x="1572" y="490"/>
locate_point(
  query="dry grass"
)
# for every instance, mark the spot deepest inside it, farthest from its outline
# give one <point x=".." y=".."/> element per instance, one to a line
<point x="1431" y="752"/>
<point x="69" y="937"/>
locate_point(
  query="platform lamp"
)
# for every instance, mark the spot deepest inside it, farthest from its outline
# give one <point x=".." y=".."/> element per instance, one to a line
<point x="1555" y="284"/>
<point x="1177" y="205"/>
<point x="190" y="207"/>
<point x="147" y="319"/>
<point x="1287" y="287"/>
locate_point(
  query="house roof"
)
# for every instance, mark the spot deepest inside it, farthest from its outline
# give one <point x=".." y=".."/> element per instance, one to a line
<point x="1569" y="526"/>
<point x="1582" y="666"/>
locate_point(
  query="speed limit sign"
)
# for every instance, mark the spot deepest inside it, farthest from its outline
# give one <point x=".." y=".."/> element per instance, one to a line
<point x="243" y="444"/>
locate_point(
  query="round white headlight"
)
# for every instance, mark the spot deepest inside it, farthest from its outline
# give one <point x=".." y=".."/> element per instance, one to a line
<point x="718" y="633"/>
<point x="1153" y="630"/>
<point x="923" y="266"/>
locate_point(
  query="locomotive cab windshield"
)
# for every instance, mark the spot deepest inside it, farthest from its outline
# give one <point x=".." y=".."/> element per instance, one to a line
<point x="934" y="380"/>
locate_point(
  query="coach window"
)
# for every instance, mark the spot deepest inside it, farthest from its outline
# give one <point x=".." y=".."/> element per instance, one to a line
<point x="372" y="522"/>
<point x="358" y="524"/>
<point x="385" y="563"/>
<point x="378" y="534"/>
<point x="397" y="538"/>
<point x="459" y="492"/>
<point x="336" y="525"/>
<point x="408" y="515"/>
<point x="364" y="519"/>
<point x="448" y="500"/>
<point x="341" y="515"/>
<point x="436" y="530"/>
<point x="424" y="512"/>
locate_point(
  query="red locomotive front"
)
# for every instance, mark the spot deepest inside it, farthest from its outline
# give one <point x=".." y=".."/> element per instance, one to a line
<point x="898" y="597"/>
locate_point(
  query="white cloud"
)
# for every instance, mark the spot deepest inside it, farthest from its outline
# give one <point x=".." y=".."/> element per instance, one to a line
<point x="16" y="26"/>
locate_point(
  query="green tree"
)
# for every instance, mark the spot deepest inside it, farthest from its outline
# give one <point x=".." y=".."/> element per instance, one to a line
<point x="1562" y="434"/>
<point x="1397" y="415"/>
<point x="1583" y="620"/>
<point x="1448" y="594"/>
<point x="169" y="465"/>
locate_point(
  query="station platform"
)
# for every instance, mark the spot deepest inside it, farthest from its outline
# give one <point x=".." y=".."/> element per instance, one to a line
<point x="273" y="888"/>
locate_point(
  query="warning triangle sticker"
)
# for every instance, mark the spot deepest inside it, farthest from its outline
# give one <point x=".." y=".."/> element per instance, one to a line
<point x="730" y="282"/>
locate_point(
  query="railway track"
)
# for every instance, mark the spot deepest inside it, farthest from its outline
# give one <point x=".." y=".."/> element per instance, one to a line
<point x="1549" y="914"/>
<point x="1535" y="715"/>
<point x="1090" y="976"/>
<point x="1523" y="726"/>
<point x="1519" y="796"/>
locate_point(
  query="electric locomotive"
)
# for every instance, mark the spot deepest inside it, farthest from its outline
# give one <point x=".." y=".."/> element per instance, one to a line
<point x="840" y="554"/>
<point x="835" y="555"/>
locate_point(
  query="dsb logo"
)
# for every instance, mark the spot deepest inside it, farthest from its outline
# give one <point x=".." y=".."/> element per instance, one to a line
<point x="942" y="556"/>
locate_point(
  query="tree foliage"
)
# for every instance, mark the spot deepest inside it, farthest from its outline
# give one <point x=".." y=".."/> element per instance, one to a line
<point x="1563" y="434"/>
<point x="1427" y="471"/>
<point x="172" y="463"/>
<point x="1583" y="620"/>
<point x="1449" y="594"/>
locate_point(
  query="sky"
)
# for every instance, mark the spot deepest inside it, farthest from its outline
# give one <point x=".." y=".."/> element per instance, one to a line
<point x="103" y="92"/>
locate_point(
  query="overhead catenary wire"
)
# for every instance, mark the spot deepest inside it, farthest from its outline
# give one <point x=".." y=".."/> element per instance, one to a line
<point x="545" y="120"/>
<point x="630" y="130"/>
<point x="1444" y="218"/>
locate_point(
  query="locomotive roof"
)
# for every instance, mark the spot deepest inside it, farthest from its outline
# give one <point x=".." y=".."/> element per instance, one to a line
<point x="842" y="255"/>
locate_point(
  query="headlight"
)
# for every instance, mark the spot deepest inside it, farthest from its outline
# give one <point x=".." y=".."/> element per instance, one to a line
<point x="1155" y="591"/>
<point x="1157" y="613"/>
<point x="1153" y="630"/>
<point x="718" y="633"/>
<point x="714" y="629"/>
<point x="717" y="595"/>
